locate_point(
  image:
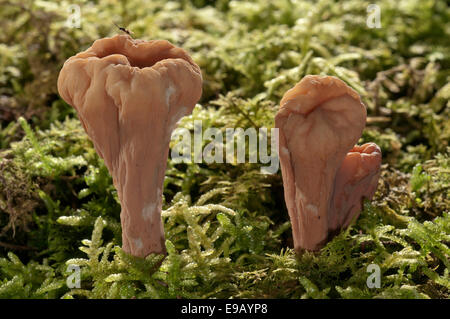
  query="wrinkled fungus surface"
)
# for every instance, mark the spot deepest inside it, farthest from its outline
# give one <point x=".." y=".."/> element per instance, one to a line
<point x="129" y="95"/>
<point x="325" y="175"/>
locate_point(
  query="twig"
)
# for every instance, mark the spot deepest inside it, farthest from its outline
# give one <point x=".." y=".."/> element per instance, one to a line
<point x="16" y="247"/>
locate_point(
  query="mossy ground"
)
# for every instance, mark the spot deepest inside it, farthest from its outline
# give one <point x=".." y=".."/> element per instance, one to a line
<point x="227" y="228"/>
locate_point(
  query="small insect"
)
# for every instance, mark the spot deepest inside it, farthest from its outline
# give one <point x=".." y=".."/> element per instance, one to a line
<point x="124" y="30"/>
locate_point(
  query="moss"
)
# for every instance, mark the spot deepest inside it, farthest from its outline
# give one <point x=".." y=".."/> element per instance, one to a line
<point x="227" y="228"/>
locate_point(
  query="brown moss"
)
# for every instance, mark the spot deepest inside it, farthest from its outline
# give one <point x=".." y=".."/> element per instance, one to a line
<point x="18" y="197"/>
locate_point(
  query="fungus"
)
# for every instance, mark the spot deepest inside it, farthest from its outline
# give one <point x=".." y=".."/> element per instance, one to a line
<point x="325" y="175"/>
<point x="129" y="95"/>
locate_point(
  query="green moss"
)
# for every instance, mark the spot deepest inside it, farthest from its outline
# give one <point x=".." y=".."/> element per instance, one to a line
<point x="227" y="228"/>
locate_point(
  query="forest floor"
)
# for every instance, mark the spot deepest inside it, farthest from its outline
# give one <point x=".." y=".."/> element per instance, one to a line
<point x="227" y="229"/>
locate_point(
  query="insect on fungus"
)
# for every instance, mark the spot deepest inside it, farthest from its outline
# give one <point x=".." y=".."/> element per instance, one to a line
<point x="130" y="33"/>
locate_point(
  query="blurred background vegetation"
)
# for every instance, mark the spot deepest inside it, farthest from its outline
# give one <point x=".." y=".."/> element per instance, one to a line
<point x="227" y="229"/>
